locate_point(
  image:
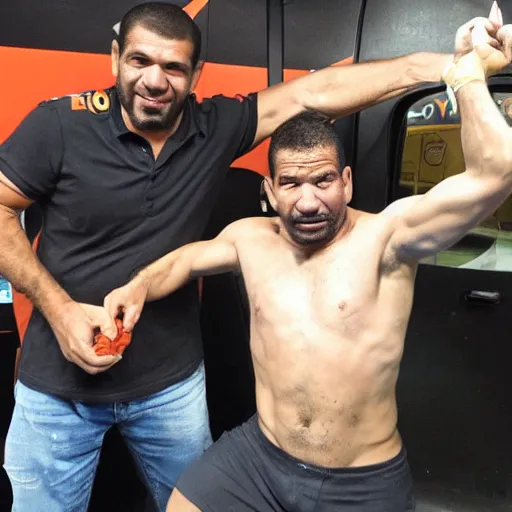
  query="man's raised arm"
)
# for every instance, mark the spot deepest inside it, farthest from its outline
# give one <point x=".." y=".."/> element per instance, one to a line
<point x="427" y="224"/>
<point x="338" y="91"/>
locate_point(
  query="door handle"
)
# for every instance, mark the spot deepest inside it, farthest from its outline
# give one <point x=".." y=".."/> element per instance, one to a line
<point x="483" y="297"/>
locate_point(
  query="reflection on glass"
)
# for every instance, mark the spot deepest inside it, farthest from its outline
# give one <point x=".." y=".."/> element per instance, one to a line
<point x="432" y="152"/>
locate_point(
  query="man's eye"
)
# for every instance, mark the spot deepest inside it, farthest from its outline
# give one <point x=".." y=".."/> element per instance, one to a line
<point x="141" y="61"/>
<point x="175" y="68"/>
<point x="324" y="181"/>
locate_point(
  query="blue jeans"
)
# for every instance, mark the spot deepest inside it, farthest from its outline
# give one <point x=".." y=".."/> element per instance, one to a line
<point x="53" y="445"/>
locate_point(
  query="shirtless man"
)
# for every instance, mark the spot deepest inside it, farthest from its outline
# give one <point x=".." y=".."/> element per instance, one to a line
<point x="330" y="291"/>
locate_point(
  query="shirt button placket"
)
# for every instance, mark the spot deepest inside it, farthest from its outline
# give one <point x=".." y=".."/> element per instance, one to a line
<point x="152" y="178"/>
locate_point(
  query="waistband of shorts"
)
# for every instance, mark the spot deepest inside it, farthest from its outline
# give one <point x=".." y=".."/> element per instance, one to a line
<point x="395" y="462"/>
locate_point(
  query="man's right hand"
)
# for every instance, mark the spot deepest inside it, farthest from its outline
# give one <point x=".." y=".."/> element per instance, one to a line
<point x="128" y="300"/>
<point x="74" y="326"/>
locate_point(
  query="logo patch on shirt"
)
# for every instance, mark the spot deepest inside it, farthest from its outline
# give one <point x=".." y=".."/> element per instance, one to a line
<point x="97" y="102"/>
<point x="78" y="103"/>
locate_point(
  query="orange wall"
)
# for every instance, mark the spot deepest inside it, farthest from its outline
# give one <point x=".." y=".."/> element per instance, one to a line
<point x="35" y="75"/>
<point x="32" y="76"/>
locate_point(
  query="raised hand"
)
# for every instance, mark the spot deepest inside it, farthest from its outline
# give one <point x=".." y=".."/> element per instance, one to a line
<point x="494" y="53"/>
<point x="482" y="49"/>
<point x="464" y="39"/>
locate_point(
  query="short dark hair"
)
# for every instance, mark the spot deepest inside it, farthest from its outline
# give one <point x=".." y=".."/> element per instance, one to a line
<point x="166" y="20"/>
<point x="305" y="131"/>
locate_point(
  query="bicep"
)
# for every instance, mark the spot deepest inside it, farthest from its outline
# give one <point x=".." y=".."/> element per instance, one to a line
<point x="442" y="216"/>
<point x="211" y="257"/>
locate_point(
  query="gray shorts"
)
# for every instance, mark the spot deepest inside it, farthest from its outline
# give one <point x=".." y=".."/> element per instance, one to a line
<point x="243" y="471"/>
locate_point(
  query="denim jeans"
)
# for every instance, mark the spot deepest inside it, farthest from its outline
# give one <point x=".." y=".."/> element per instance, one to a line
<point x="53" y="445"/>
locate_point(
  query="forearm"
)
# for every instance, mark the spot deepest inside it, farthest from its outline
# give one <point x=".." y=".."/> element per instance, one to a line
<point x="167" y="274"/>
<point x="23" y="270"/>
<point x="341" y="90"/>
<point x="485" y="135"/>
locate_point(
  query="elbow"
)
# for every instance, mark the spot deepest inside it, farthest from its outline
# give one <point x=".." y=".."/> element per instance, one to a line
<point x="8" y="216"/>
<point x="6" y="212"/>
<point x="305" y="98"/>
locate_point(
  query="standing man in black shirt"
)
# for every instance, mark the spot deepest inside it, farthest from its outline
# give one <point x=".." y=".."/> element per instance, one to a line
<point x="123" y="177"/>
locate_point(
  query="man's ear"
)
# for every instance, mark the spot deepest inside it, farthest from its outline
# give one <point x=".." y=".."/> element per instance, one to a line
<point x="267" y="189"/>
<point x="196" y="75"/>
<point x="263" y="197"/>
<point x="114" y="57"/>
<point x="346" y="176"/>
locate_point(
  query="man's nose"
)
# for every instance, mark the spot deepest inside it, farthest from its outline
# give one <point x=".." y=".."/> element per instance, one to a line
<point x="308" y="201"/>
<point x="155" y="78"/>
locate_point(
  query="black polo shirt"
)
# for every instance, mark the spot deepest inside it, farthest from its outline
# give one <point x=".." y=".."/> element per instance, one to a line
<point x="109" y="209"/>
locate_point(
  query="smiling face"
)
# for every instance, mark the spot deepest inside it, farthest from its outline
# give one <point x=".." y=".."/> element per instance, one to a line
<point x="154" y="76"/>
<point x="310" y="193"/>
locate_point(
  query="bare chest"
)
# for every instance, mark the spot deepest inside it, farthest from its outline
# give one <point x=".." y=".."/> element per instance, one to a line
<point x="326" y="290"/>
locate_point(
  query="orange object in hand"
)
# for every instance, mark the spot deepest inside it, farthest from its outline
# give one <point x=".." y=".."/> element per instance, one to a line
<point x="104" y="346"/>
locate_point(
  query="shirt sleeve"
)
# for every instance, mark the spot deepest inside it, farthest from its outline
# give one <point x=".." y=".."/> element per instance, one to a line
<point x="31" y="157"/>
<point x="237" y="120"/>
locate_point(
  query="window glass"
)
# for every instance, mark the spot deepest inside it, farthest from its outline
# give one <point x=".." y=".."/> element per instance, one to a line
<point x="432" y="151"/>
